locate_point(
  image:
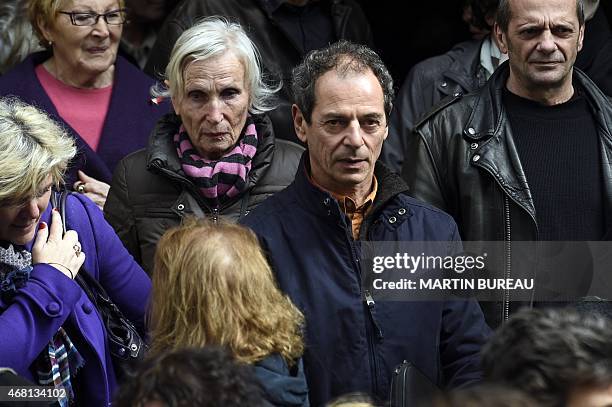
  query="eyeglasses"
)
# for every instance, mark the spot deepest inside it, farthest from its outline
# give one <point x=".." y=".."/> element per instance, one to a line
<point x="113" y="17"/>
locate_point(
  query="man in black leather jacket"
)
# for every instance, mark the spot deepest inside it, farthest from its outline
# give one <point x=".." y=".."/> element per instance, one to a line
<point x="528" y="156"/>
<point x="468" y="65"/>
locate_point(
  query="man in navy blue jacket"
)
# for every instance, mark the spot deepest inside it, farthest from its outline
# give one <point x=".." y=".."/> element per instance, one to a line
<point x="341" y="196"/>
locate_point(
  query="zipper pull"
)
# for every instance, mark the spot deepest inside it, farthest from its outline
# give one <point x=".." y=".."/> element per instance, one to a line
<point x="370" y="302"/>
<point x="369" y="299"/>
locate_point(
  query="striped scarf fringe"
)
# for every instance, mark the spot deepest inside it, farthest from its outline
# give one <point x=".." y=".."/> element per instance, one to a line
<point x="64" y="359"/>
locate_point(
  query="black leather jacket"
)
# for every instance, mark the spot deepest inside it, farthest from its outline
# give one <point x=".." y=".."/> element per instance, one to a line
<point x="426" y="84"/>
<point x="463" y="160"/>
<point x="150" y="192"/>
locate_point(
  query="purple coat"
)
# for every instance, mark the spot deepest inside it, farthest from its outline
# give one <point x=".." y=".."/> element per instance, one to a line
<point x="130" y="118"/>
<point x="50" y="299"/>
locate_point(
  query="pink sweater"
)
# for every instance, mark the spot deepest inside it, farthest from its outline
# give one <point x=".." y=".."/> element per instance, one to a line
<point x="83" y="109"/>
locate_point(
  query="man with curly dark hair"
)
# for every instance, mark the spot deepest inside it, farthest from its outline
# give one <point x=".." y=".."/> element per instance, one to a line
<point x="191" y="377"/>
<point x="560" y="357"/>
<point x="316" y="230"/>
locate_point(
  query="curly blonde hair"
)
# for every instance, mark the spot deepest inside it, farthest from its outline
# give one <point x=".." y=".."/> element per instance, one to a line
<point x="212" y="285"/>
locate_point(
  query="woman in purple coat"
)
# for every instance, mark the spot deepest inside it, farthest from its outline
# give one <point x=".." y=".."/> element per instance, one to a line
<point x="50" y="332"/>
<point x="100" y="98"/>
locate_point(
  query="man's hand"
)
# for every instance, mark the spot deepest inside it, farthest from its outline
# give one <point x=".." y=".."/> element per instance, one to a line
<point x="95" y="190"/>
<point x="62" y="252"/>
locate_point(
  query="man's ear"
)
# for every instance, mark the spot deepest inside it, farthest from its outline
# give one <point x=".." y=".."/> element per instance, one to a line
<point x="500" y="38"/>
<point x="580" y="37"/>
<point x="299" y="123"/>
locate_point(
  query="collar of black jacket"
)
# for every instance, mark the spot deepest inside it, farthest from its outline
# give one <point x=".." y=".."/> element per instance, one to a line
<point x="390" y="184"/>
<point x="465" y="67"/>
<point x="486" y="116"/>
<point x="161" y="152"/>
<point x="487" y="110"/>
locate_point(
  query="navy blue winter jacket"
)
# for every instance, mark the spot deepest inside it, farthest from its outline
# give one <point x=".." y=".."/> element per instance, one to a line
<point x="311" y="249"/>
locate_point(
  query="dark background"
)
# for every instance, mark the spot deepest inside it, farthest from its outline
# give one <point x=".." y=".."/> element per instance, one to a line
<point x="407" y="32"/>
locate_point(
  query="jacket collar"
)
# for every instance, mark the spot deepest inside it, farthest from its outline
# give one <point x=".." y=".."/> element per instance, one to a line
<point x="486" y="118"/>
<point x="390" y="185"/>
<point x="465" y="69"/>
<point x="493" y="148"/>
<point x="162" y="156"/>
<point x="488" y="113"/>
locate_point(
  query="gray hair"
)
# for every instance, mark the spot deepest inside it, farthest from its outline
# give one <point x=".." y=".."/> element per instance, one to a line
<point x="342" y="56"/>
<point x="32" y="147"/>
<point x="504" y="14"/>
<point x="209" y="38"/>
<point x="17" y="38"/>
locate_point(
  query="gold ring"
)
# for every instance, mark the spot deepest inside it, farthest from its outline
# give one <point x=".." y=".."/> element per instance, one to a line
<point x="81" y="188"/>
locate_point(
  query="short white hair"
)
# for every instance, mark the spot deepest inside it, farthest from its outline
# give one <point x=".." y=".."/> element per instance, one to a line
<point x="212" y="37"/>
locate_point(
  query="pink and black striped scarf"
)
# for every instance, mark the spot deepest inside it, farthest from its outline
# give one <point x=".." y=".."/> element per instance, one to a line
<point x="219" y="180"/>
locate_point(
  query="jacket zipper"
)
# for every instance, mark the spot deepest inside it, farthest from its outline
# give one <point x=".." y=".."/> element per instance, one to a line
<point x="508" y="249"/>
<point x="189" y="185"/>
<point x="369" y="303"/>
<point x="371" y="345"/>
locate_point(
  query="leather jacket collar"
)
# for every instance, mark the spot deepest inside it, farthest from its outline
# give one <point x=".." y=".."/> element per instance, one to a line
<point x="493" y="148"/>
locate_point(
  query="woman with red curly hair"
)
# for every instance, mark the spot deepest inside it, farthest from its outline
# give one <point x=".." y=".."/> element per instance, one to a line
<point x="212" y="285"/>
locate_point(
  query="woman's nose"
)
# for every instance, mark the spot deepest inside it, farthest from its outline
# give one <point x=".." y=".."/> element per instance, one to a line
<point x="30" y="210"/>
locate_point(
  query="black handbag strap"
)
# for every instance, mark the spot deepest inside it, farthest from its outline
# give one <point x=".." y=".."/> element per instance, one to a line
<point x="58" y="200"/>
<point x="92" y="287"/>
<point x="125" y="343"/>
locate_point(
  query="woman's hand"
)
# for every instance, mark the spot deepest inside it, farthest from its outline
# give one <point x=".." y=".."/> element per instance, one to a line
<point x="62" y="252"/>
<point x="92" y="188"/>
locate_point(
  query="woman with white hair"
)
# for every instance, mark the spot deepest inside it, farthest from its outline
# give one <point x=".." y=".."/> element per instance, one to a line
<point x="217" y="156"/>
<point x="50" y="331"/>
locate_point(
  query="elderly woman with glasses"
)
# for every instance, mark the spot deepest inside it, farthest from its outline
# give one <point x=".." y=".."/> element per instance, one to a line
<point x="217" y="156"/>
<point x="81" y="82"/>
<point x="50" y="332"/>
